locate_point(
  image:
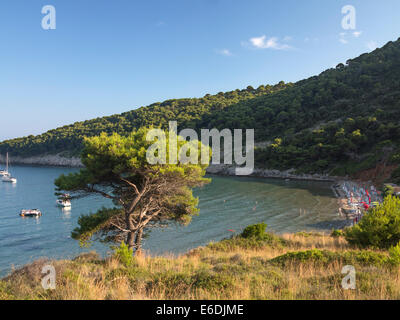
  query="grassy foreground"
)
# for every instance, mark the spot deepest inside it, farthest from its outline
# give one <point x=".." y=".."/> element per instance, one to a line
<point x="300" y="266"/>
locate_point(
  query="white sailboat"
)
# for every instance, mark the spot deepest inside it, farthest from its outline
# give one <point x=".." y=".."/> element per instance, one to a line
<point x="6" y="175"/>
<point x="3" y="173"/>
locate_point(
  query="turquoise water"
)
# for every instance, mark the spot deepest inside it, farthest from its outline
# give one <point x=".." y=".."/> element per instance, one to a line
<point x="227" y="203"/>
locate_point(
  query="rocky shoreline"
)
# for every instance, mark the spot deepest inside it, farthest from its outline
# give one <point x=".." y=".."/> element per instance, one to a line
<point x="227" y="170"/>
<point x="47" y="160"/>
<point x="217" y="169"/>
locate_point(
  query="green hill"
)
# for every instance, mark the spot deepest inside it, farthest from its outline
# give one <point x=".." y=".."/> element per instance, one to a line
<point x="340" y="122"/>
<point x="190" y="113"/>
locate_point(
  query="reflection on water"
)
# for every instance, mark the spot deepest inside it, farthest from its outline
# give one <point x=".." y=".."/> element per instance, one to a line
<point x="227" y="205"/>
<point x="230" y="204"/>
<point x="66" y="211"/>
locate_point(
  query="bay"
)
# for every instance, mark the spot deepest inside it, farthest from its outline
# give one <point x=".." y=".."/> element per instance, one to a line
<point x="227" y="205"/>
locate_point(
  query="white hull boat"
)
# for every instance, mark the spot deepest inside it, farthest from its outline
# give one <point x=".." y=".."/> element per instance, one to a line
<point x="6" y="175"/>
<point x="10" y="179"/>
<point x="31" y="213"/>
<point x="63" y="203"/>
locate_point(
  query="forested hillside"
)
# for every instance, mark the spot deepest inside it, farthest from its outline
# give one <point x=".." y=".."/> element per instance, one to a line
<point x="190" y="113"/>
<point x="340" y="122"/>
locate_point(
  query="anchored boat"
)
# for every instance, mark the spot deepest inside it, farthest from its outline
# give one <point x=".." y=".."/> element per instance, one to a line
<point x="6" y="175"/>
<point x="8" y="178"/>
<point x="64" y="201"/>
<point x="31" y="213"/>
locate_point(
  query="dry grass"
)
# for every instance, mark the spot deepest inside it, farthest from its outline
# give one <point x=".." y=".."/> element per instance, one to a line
<point x="231" y="269"/>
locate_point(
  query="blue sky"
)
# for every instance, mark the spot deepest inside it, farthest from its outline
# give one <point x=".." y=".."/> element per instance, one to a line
<point x="107" y="57"/>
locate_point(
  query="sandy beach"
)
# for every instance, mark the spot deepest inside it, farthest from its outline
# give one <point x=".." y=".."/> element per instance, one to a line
<point x="355" y="197"/>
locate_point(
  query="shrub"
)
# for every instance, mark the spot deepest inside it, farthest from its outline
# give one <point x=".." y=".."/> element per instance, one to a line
<point x="388" y="190"/>
<point x="212" y="281"/>
<point x="124" y="254"/>
<point x="314" y="255"/>
<point x="394" y="254"/>
<point x="253" y="237"/>
<point x="337" y="233"/>
<point x="237" y="242"/>
<point x="379" y="228"/>
<point x="364" y="257"/>
<point x="255" y="231"/>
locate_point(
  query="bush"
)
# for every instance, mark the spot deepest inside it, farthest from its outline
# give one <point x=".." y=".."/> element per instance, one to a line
<point x="388" y="191"/>
<point x="394" y="254"/>
<point x="255" y="231"/>
<point x="337" y="233"/>
<point x="238" y="242"/>
<point x="253" y="237"/>
<point x="210" y="281"/>
<point x="124" y="254"/>
<point x="364" y="257"/>
<point x="379" y="228"/>
<point x="314" y="255"/>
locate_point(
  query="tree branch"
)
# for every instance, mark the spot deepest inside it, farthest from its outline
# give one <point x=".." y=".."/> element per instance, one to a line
<point x="131" y="184"/>
<point x="104" y="194"/>
<point x="119" y="228"/>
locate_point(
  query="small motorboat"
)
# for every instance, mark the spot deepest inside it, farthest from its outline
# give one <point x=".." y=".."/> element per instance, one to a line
<point x="64" y="201"/>
<point x="31" y="213"/>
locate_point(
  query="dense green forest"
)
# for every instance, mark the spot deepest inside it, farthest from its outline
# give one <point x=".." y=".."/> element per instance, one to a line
<point x="189" y="113"/>
<point x="344" y="120"/>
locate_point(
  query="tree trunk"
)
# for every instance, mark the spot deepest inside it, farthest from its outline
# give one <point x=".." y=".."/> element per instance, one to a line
<point x="138" y="241"/>
<point x="130" y="241"/>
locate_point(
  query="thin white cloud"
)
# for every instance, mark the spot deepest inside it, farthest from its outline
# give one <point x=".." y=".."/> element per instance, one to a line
<point x="287" y="38"/>
<point x="224" y="52"/>
<point x="372" y="45"/>
<point x="357" y="33"/>
<point x="268" y="43"/>
<point x="344" y="41"/>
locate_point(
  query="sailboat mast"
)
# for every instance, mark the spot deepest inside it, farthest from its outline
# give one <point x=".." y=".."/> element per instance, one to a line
<point x="7" y="162"/>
